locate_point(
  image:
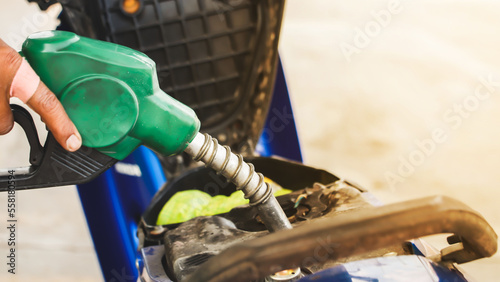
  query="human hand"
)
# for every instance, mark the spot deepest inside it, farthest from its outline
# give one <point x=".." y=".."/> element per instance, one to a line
<point x="19" y="80"/>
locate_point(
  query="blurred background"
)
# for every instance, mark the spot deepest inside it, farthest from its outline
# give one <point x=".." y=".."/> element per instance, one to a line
<point x="402" y="97"/>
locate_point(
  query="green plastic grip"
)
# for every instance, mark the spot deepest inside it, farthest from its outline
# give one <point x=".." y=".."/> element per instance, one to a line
<point x="111" y="93"/>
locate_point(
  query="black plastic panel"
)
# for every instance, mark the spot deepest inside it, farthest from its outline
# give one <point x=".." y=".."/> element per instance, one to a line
<point x="202" y="49"/>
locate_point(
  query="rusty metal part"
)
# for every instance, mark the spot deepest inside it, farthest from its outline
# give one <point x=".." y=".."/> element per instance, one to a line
<point x="353" y="233"/>
<point x="197" y="240"/>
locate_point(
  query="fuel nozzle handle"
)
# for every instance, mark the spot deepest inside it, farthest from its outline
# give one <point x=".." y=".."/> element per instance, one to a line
<point x="112" y="95"/>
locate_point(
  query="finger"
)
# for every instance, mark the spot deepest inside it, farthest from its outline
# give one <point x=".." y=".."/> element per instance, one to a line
<point x="9" y="64"/>
<point x="45" y="103"/>
<point x="6" y="117"/>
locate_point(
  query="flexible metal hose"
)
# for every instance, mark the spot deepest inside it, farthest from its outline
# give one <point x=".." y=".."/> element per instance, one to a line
<point x="232" y="166"/>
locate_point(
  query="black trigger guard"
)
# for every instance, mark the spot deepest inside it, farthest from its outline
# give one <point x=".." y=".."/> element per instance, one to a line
<point x="24" y="119"/>
<point x="51" y="165"/>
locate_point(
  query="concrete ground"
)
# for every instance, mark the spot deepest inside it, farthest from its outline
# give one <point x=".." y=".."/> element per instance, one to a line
<point x="400" y="97"/>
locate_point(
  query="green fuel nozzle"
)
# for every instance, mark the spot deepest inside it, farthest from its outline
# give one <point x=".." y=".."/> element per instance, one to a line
<point x="112" y="95"/>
